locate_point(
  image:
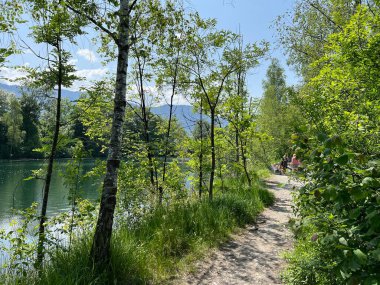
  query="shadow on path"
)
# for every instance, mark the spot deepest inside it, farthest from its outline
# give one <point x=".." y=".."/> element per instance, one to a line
<point x="252" y="257"/>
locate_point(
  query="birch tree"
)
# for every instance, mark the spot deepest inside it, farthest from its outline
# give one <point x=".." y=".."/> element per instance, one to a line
<point x="54" y="26"/>
<point x="112" y="19"/>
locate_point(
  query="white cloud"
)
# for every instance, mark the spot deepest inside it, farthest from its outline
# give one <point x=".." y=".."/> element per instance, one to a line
<point x="73" y="61"/>
<point x="87" y="54"/>
<point x="164" y="97"/>
<point x="89" y="75"/>
<point x="178" y="99"/>
<point x="10" y="75"/>
<point x="27" y="51"/>
<point x="155" y="98"/>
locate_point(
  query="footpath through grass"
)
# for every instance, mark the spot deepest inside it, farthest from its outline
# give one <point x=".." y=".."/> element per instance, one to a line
<point x="163" y="244"/>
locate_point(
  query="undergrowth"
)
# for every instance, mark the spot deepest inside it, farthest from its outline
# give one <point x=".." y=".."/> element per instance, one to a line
<point x="164" y="243"/>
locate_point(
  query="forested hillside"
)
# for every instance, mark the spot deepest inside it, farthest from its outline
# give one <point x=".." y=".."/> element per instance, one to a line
<point x="23" y="136"/>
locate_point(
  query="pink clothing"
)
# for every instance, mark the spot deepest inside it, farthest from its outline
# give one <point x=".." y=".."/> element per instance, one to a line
<point x="295" y="161"/>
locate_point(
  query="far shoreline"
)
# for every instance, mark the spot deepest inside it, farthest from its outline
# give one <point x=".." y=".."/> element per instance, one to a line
<point x="42" y="159"/>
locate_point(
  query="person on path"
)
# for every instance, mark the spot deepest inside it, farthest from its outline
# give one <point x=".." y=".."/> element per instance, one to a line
<point x="284" y="164"/>
<point x="295" y="162"/>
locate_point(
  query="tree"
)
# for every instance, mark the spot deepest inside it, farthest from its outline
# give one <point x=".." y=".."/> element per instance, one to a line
<point x="10" y="11"/>
<point x="30" y="110"/>
<point x="214" y="58"/>
<point x="13" y="121"/>
<point x="168" y="68"/>
<point x="156" y="52"/>
<point x="55" y="26"/>
<point x="117" y="30"/>
<point x="95" y="109"/>
<point x="3" y="127"/>
<point x="278" y="118"/>
<point x="341" y="150"/>
<point x="305" y="35"/>
<point x="275" y="78"/>
<point x="239" y="110"/>
<point x="200" y="146"/>
<point x="144" y="53"/>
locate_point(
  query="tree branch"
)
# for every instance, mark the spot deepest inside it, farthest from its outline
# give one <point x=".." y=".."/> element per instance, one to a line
<point x="95" y="22"/>
<point x="325" y="15"/>
<point x="131" y="6"/>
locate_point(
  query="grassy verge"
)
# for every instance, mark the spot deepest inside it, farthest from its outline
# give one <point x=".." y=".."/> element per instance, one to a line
<point x="164" y="243"/>
<point x="309" y="262"/>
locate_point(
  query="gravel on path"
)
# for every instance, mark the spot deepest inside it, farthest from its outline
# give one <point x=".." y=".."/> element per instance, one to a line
<point x="254" y="255"/>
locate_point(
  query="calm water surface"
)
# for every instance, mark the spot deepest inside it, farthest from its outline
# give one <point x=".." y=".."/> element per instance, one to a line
<point x="16" y="193"/>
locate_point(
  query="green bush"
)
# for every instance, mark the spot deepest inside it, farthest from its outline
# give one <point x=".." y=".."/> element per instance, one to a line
<point x="309" y="263"/>
<point x="161" y="244"/>
<point x="339" y="208"/>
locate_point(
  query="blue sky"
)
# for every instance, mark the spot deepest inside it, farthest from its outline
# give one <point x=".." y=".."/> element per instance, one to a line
<point x="253" y="17"/>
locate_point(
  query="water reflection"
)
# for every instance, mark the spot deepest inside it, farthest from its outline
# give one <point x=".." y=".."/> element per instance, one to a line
<point x="16" y="193"/>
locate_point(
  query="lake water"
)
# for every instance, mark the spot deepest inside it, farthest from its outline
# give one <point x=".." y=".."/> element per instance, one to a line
<point x="16" y="193"/>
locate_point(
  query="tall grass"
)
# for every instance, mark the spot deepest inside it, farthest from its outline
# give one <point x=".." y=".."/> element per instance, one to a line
<point x="164" y="243"/>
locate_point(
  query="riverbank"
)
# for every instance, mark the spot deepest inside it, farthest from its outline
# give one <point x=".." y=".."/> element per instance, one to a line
<point x="162" y="244"/>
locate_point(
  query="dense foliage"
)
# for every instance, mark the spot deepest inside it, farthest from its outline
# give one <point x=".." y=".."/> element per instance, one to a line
<point x="26" y="130"/>
<point x="338" y="209"/>
<point x="157" y="176"/>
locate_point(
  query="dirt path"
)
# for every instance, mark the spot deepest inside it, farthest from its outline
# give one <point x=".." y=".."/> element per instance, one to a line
<point x="253" y="256"/>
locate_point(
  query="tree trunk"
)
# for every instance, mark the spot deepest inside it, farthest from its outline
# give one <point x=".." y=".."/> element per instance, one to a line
<point x="170" y="117"/>
<point x="213" y="163"/>
<point x="100" y="250"/>
<point x="74" y="202"/>
<point x="174" y="86"/>
<point x="43" y="218"/>
<point x="244" y="158"/>
<point x="220" y="161"/>
<point x="239" y="84"/>
<point x="145" y="120"/>
<point x="221" y="174"/>
<point x="237" y="144"/>
<point x="201" y="153"/>
<point x="150" y="160"/>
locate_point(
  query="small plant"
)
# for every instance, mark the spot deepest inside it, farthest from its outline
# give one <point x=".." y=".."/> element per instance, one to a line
<point x="16" y="245"/>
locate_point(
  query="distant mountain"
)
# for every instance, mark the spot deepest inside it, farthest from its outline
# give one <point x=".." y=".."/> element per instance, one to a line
<point x="15" y="89"/>
<point x="183" y="113"/>
<point x="11" y="89"/>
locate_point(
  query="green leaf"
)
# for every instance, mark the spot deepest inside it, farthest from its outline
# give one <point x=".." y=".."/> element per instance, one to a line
<point x="362" y="257"/>
<point x="343" y="241"/>
<point x="371" y="281"/>
<point x="376" y="254"/>
<point x="342" y="160"/>
<point x="344" y="274"/>
<point x="322" y="137"/>
<point x="369" y="182"/>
